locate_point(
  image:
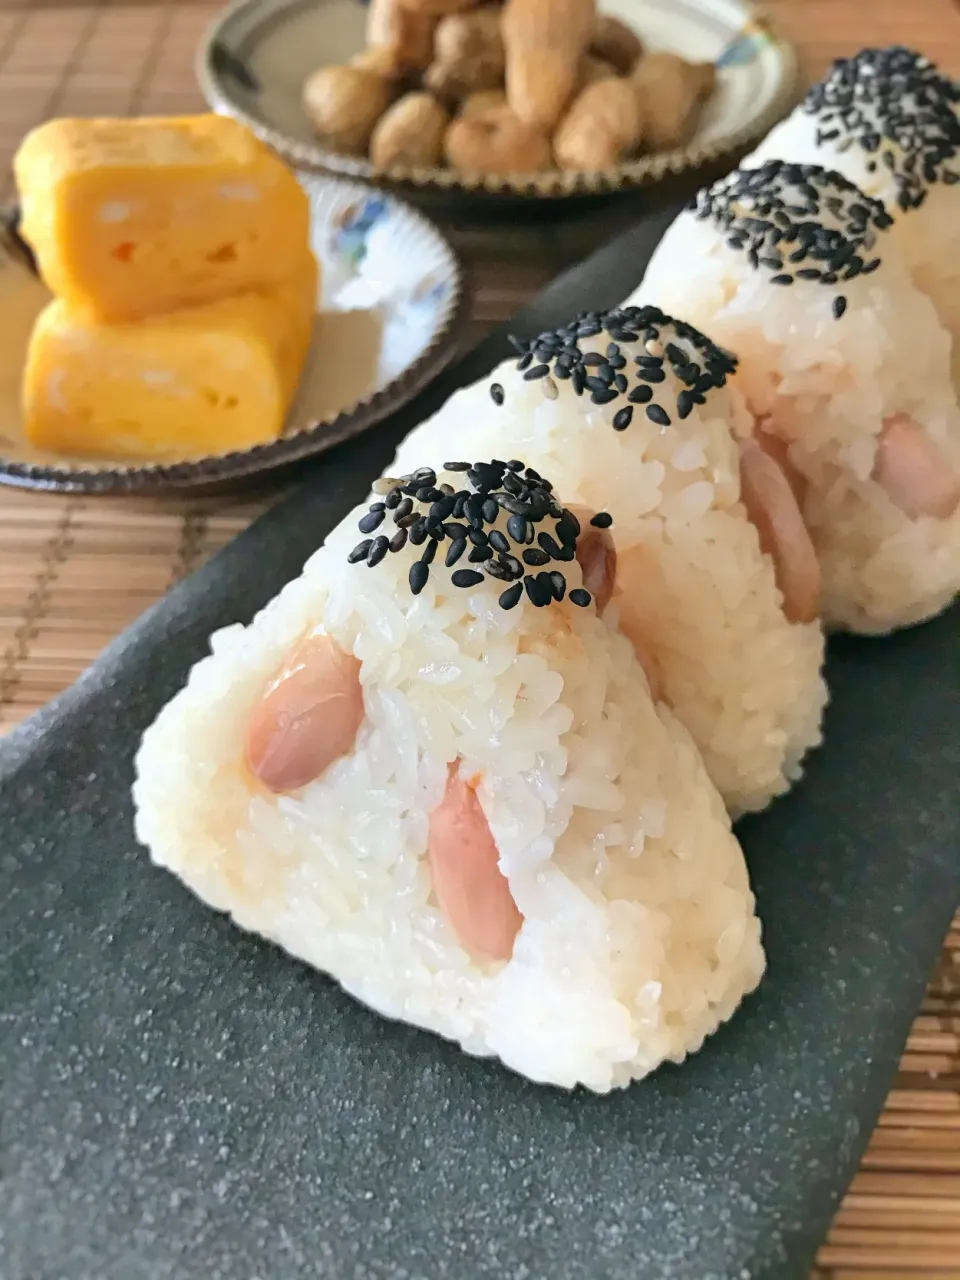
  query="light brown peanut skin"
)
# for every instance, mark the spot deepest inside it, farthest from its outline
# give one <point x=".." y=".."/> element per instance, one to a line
<point x="670" y="91"/>
<point x="496" y="142"/>
<point x="470" y="35"/>
<point x="544" y="42"/>
<point x="437" y="8"/>
<point x="479" y="104"/>
<point x="600" y="129"/>
<point x="410" y="133"/>
<point x="345" y="103"/>
<point x="454" y="81"/>
<point x="405" y="34"/>
<point x="616" y="43"/>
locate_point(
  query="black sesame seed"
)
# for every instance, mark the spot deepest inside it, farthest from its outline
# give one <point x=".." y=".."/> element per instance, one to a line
<point x="538" y="591"/>
<point x="640" y="395"/>
<point x="605" y="396"/>
<point x="622" y="418"/>
<point x="455" y="551"/>
<point x="514" y="465"/>
<point x="458" y="466"/>
<point x="651" y="375"/>
<point x="568" y="518"/>
<point x="580" y="597"/>
<point x="512" y="564"/>
<point x="419" y="573"/>
<point x="429" y="552"/>
<point x="378" y="550"/>
<point x="525" y="361"/>
<point x="370" y="521"/>
<point x="602" y="520"/>
<point x="538" y="371"/>
<point x="685" y="403"/>
<point x="442" y="508"/>
<point x="392" y="499"/>
<point x="781" y="279"/>
<point x="593" y="359"/>
<point x="839" y="306"/>
<point x="477" y="537"/>
<point x="399" y="540"/>
<point x="658" y="415"/>
<point x="490" y="510"/>
<point x="418" y="532"/>
<point x="511" y="597"/>
<point x="498" y="541"/>
<point x="473" y="508"/>
<point x="535" y="557"/>
<point x="558" y="584"/>
<point x="466" y="578"/>
<point x="517" y="528"/>
<point x="359" y="552"/>
<point x="478" y="555"/>
<point x="513" y="505"/>
<point x="551" y="546"/>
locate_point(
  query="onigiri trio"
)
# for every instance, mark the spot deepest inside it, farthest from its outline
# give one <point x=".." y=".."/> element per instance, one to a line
<point x="479" y="761"/>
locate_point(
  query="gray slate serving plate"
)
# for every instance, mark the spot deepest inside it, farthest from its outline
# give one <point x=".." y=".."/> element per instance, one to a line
<point x="182" y="1101"/>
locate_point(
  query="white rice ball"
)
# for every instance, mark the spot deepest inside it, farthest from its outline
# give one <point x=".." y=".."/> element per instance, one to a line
<point x="888" y="120"/>
<point x="638" y="934"/>
<point x="695" y="590"/>
<point x="794" y="269"/>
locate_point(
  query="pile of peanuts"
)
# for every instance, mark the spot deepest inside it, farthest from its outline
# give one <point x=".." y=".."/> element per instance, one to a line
<point x="493" y="88"/>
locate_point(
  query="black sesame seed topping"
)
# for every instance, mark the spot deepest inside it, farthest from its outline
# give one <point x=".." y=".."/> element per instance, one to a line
<point x="371" y="519"/>
<point x="639" y="340"/>
<point x="839" y="305"/>
<point x="834" y="224"/>
<point x="454" y="552"/>
<point x="377" y="551"/>
<point x="517" y="528"/>
<point x="422" y="518"/>
<point x="894" y="96"/>
<point x="359" y="552"/>
<point x="658" y="415"/>
<point x="580" y="597"/>
<point x="602" y="520"/>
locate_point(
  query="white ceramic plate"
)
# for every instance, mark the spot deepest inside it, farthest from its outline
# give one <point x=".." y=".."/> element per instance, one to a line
<point x="254" y="61"/>
<point x="392" y="295"/>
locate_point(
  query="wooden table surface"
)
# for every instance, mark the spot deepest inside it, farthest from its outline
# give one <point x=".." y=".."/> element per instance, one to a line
<point x="74" y="571"/>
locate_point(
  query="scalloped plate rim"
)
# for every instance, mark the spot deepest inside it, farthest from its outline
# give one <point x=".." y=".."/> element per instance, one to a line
<point x="549" y="185"/>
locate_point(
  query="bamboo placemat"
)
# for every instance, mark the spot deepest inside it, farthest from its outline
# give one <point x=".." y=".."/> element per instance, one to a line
<point x="74" y="572"/>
